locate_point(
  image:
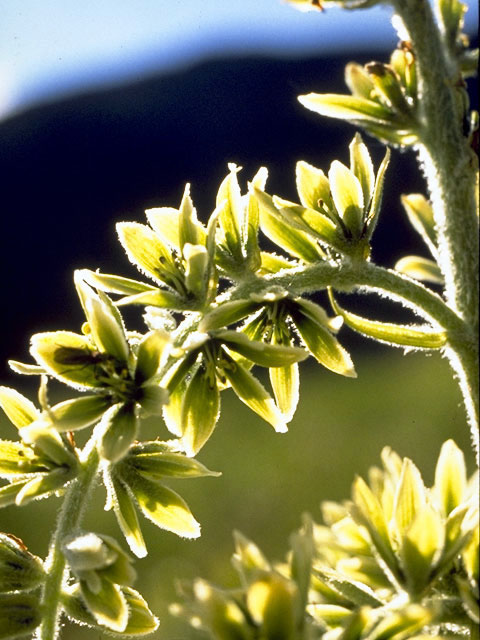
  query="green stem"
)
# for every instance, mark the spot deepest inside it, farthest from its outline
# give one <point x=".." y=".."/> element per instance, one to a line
<point x="448" y="161"/>
<point x="69" y="520"/>
<point x="450" y="168"/>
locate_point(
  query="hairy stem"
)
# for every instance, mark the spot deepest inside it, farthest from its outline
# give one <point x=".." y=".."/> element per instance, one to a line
<point x="448" y="161"/>
<point x="68" y="521"/>
<point x="450" y="168"/>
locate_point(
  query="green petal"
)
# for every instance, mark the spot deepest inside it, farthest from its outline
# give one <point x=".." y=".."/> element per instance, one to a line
<point x="200" y="410"/>
<point x="149" y="354"/>
<point x="145" y="249"/>
<point x="26" y="369"/>
<point x="392" y="333"/>
<point x="285" y="383"/>
<point x="227" y="313"/>
<point x="376" y="201"/>
<point x="157" y="298"/>
<point x="125" y="512"/>
<point x="420" y="215"/>
<point x="261" y="353"/>
<point x="141" y="620"/>
<point x="421" y="545"/>
<point x="271" y="263"/>
<point x="410" y="498"/>
<point x="368" y="512"/>
<point x="312" y="186"/>
<point x="9" y="492"/>
<point x="19" y="569"/>
<point x="107" y="331"/>
<point x="17" y="459"/>
<point x="172" y="411"/>
<point x="197" y="269"/>
<point x="78" y="412"/>
<point x="356" y="592"/>
<point x="349" y="108"/>
<point x="108" y="606"/>
<point x="322" y="344"/>
<point x="231" y="212"/>
<point x="387" y="85"/>
<point x="114" y="284"/>
<point x="188" y="223"/>
<point x="450" y="477"/>
<point x="157" y="460"/>
<point x="165" y="221"/>
<point x="420" y="269"/>
<point x="252" y="221"/>
<point x="162" y="506"/>
<point x="119" y="428"/>
<point x="45" y="439"/>
<point x="358" y="81"/>
<point x="295" y="242"/>
<point x="347" y="195"/>
<point x="20" y="615"/>
<point x="362" y="166"/>
<point x="67" y="356"/>
<point x="19" y="409"/>
<point x="152" y="398"/>
<point x="310" y="221"/>
<point x="254" y="395"/>
<point x="43" y="485"/>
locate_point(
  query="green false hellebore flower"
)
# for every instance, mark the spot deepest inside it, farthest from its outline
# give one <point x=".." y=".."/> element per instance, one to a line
<point x="337" y="214"/>
<point x="207" y="363"/>
<point x="102" y="597"/>
<point x="176" y="251"/>
<point x="383" y="101"/>
<point x="41" y="463"/>
<point x="278" y="319"/>
<point x="137" y="482"/>
<point x="120" y="375"/>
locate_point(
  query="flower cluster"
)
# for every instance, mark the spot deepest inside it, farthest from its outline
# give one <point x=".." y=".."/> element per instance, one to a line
<point x="397" y="561"/>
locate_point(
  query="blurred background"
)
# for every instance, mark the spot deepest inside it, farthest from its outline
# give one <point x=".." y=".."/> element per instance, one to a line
<point x="109" y="108"/>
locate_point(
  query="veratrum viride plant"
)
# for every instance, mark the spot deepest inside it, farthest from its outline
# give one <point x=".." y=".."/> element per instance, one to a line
<point x="398" y="559"/>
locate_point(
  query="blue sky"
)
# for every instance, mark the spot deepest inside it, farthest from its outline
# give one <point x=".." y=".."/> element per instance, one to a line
<point x="56" y="47"/>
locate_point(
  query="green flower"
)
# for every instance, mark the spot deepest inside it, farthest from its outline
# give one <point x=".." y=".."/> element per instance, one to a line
<point x="384" y="98"/>
<point x="38" y="465"/>
<point x="337" y="215"/>
<point x="208" y="362"/>
<point x="137" y="483"/>
<point x="275" y="318"/>
<point x="120" y="373"/>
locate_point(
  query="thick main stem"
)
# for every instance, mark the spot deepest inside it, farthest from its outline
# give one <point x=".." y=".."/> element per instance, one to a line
<point x="450" y="168"/>
<point x="68" y="521"/>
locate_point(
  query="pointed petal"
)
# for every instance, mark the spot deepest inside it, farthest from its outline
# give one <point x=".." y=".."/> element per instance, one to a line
<point x="200" y="410"/>
<point x="362" y="166"/>
<point x="149" y="354"/>
<point x="392" y="333"/>
<point x="352" y="108"/>
<point x="162" y="506"/>
<point x="261" y="353"/>
<point x="254" y="395"/>
<point x="420" y="269"/>
<point x="144" y="248"/>
<point x="312" y="186"/>
<point x="19" y="409"/>
<point x="348" y="196"/>
<point x="125" y="512"/>
<point x="119" y="429"/>
<point x="322" y="344"/>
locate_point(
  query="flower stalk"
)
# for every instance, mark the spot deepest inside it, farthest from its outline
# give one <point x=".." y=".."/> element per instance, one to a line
<point x="69" y="519"/>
